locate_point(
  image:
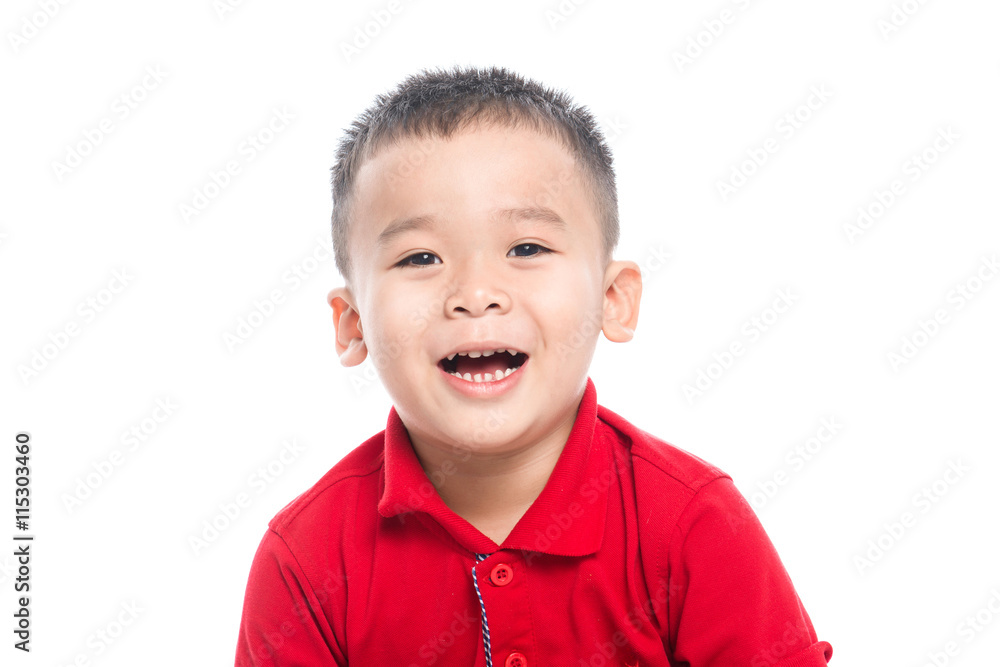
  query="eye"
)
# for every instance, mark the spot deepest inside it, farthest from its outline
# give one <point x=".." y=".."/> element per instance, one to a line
<point x="420" y="259"/>
<point x="527" y="250"/>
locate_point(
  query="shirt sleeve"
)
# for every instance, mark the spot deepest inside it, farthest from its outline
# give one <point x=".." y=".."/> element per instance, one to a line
<point x="731" y="601"/>
<point x="283" y="623"/>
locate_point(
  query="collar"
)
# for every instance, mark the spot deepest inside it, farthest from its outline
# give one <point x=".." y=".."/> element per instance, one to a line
<point x="567" y="518"/>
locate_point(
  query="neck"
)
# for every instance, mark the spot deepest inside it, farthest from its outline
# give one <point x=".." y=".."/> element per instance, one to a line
<point x="493" y="491"/>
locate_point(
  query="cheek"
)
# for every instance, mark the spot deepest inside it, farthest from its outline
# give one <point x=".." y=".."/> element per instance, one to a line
<point x="390" y="332"/>
<point x="571" y="306"/>
<point x="582" y="330"/>
<point x="386" y="347"/>
<point x="412" y="305"/>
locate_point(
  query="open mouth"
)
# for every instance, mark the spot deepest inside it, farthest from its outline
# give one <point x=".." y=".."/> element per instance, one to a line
<point x="483" y="365"/>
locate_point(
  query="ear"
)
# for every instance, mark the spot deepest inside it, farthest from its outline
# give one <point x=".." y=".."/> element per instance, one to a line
<point x="349" y="339"/>
<point x="623" y="290"/>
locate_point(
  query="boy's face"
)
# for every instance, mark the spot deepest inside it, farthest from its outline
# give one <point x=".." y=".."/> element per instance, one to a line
<point x="485" y="241"/>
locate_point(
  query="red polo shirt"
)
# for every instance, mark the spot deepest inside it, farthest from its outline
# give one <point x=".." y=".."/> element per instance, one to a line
<point x="635" y="553"/>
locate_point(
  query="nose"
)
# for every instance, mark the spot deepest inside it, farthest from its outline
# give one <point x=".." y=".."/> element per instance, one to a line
<point x="476" y="292"/>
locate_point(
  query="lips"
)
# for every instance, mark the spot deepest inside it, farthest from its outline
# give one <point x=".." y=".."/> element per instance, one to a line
<point x="486" y="365"/>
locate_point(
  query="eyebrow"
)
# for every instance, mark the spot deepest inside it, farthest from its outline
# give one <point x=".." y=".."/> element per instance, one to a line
<point x="537" y="213"/>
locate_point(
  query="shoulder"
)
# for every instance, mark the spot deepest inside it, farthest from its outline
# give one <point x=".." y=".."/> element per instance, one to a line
<point x="334" y="498"/>
<point x="658" y="460"/>
<point x="676" y="492"/>
<point x="671" y="485"/>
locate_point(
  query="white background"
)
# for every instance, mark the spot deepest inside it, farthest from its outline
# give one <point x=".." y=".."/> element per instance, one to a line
<point x="677" y="129"/>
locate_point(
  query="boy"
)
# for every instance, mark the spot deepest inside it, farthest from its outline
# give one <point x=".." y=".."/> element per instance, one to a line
<point x="503" y="517"/>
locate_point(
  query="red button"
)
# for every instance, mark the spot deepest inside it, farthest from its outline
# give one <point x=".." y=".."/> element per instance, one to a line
<point x="516" y="660"/>
<point x="501" y="575"/>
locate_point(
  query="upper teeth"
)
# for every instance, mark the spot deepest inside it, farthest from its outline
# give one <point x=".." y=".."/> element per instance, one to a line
<point x="481" y="353"/>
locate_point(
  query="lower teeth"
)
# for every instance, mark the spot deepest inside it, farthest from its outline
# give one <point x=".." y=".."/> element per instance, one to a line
<point x="469" y="377"/>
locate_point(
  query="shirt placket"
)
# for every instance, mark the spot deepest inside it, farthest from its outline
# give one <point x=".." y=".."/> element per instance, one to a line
<point x="506" y="632"/>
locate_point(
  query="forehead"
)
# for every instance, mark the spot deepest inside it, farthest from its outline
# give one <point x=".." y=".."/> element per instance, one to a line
<point x="471" y="174"/>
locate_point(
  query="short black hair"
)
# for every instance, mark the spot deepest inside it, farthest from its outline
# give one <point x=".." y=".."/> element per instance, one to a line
<point x="438" y="103"/>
